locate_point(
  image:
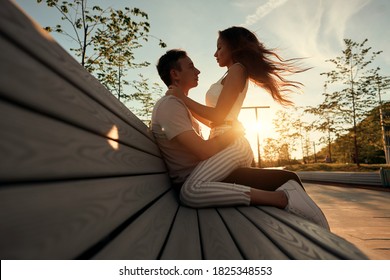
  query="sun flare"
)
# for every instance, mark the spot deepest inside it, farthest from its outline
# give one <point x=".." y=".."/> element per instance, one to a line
<point x="113" y="137"/>
<point x="253" y="127"/>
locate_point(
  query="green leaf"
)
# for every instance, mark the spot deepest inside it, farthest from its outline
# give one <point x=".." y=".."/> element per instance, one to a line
<point x="64" y="9"/>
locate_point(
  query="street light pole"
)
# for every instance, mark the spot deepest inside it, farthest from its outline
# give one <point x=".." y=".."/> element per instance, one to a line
<point x="257" y="131"/>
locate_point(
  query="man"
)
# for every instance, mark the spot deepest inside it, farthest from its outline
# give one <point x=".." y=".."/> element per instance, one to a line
<point x="176" y="131"/>
<point x="187" y="153"/>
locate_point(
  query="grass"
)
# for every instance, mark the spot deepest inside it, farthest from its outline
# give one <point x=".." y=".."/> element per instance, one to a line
<point x="336" y="167"/>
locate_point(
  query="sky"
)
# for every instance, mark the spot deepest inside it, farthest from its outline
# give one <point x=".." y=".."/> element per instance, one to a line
<point x="313" y="29"/>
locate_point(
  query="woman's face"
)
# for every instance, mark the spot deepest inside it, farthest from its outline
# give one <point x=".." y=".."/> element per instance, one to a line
<point x="223" y="54"/>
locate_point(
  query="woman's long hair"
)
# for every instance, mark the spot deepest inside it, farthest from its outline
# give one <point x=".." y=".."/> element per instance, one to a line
<point x="265" y="68"/>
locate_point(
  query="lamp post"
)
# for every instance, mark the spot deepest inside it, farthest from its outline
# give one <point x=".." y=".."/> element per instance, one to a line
<point x="257" y="131"/>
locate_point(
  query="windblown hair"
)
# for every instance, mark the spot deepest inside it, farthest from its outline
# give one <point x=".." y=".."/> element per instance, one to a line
<point x="167" y="62"/>
<point x="264" y="66"/>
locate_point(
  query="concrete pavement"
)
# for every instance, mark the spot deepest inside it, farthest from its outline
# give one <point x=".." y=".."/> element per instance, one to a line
<point x="359" y="215"/>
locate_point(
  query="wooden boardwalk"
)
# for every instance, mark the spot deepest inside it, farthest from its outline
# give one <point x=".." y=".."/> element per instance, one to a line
<point x="360" y="215"/>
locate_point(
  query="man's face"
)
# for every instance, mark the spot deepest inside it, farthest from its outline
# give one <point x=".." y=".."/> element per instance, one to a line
<point x="187" y="78"/>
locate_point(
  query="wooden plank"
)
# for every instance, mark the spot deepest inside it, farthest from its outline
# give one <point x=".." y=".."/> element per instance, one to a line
<point x="46" y="92"/>
<point x="63" y="220"/>
<point x="145" y="237"/>
<point x="252" y="242"/>
<point x="327" y="240"/>
<point x="294" y="245"/>
<point x="184" y="240"/>
<point x="217" y="243"/>
<point x="26" y="33"/>
<point x="34" y="147"/>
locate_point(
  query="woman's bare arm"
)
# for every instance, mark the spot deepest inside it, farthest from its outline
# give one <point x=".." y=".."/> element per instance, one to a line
<point x="233" y="84"/>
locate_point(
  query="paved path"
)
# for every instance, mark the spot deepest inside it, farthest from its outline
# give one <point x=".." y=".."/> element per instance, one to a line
<point x="359" y="215"/>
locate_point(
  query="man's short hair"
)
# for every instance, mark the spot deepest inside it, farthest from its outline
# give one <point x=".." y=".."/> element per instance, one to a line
<point x="169" y="61"/>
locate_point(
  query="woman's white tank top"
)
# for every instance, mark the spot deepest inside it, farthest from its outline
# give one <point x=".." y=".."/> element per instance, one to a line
<point x="215" y="90"/>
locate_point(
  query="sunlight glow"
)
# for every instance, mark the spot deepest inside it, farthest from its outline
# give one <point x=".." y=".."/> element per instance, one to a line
<point x="263" y="126"/>
<point x="113" y="136"/>
<point x="254" y="127"/>
<point x="256" y="131"/>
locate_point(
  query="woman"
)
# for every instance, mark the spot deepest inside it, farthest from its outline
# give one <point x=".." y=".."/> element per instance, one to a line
<point x="246" y="59"/>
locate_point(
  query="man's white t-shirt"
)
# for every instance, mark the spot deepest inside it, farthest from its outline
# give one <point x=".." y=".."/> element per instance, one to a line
<point x="170" y="118"/>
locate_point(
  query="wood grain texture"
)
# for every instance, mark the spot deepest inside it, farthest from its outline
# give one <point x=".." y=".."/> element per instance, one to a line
<point x="291" y="242"/>
<point x="62" y="220"/>
<point x="34" y="147"/>
<point x="25" y="33"/>
<point x="184" y="241"/>
<point x="27" y="82"/>
<point x="327" y="240"/>
<point x="251" y="241"/>
<point x="145" y="237"/>
<point x="217" y="242"/>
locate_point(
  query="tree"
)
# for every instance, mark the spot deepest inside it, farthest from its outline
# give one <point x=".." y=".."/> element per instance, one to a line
<point x="271" y="151"/>
<point x="306" y="143"/>
<point x="382" y="83"/>
<point x="104" y="39"/>
<point x="326" y="121"/>
<point x="147" y="96"/>
<point x="354" y="96"/>
<point x="370" y="143"/>
<point x="288" y="133"/>
<point x="300" y="129"/>
<point x="370" y="140"/>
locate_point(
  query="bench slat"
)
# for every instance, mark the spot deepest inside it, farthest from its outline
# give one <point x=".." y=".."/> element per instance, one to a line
<point x="217" y="242"/>
<point x="47" y="92"/>
<point x="63" y="220"/>
<point x="288" y="240"/>
<point x="333" y="243"/>
<point x="145" y="237"/>
<point x="56" y="150"/>
<point x="24" y="32"/>
<point x="184" y="240"/>
<point x="251" y="241"/>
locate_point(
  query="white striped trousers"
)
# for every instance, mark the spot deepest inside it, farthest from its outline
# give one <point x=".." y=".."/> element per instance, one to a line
<point x="203" y="188"/>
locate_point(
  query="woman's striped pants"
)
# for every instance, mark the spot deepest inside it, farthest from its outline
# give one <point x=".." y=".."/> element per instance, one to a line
<point x="204" y="186"/>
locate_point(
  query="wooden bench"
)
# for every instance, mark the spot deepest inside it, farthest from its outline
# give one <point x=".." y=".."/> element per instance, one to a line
<point x="82" y="178"/>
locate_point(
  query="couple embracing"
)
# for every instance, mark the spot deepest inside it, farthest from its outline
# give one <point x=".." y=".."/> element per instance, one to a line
<point x="216" y="171"/>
